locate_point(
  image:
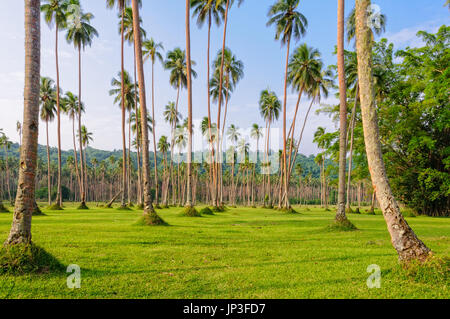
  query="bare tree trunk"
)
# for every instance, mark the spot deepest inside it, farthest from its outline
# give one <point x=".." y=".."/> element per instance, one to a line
<point x="25" y="199"/>
<point x="124" y="143"/>
<point x="155" y="154"/>
<point x="189" y="88"/>
<point x="285" y="178"/>
<point x="49" y="184"/>
<point x="149" y="211"/>
<point x="58" y="189"/>
<point x="340" y="214"/>
<point x="350" y="160"/>
<point x="83" y="172"/>
<point x="408" y="245"/>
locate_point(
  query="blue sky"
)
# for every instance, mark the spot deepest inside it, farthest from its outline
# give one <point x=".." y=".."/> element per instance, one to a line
<point x="248" y="38"/>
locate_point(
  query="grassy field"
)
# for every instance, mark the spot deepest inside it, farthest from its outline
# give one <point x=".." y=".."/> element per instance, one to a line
<point x="241" y="253"/>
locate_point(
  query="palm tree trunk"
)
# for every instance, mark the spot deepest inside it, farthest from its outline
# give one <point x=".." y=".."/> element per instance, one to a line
<point x="20" y="232"/>
<point x="155" y="157"/>
<point x="408" y="245"/>
<point x="136" y="110"/>
<point x="124" y="143"/>
<point x="148" y="206"/>
<point x="219" y="156"/>
<point x="189" y="88"/>
<point x="76" y="156"/>
<point x="49" y="185"/>
<point x="340" y="214"/>
<point x="80" y="139"/>
<point x="286" y="203"/>
<point x="58" y="189"/>
<point x="350" y="160"/>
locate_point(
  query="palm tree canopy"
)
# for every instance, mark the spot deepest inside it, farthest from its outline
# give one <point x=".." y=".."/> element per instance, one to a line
<point x="304" y="67"/>
<point x="203" y="8"/>
<point x="70" y="105"/>
<point x="176" y="63"/>
<point x="171" y="115"/>
<point x="269" y="105"/>
<point x="233" y="68"/>
<point x="80" y="32"/>
<point x="86" y="136"/>
<point x="55" y="12"/>
<point x="256" y="132"/>
<point x="287" y="20"/>
<point x="163" y="144"/>
<point x="128" y="93"/>
<point x="233" y="133"/>
<point x="128" y="26"/>
<point x="47" y="97"/>
<point x="152" y="50"/>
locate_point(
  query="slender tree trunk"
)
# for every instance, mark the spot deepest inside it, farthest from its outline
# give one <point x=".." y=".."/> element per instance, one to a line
<point x="49" y="184"/>
<point x="80" y="139"/>
<point x="148" y="206"/>
<point x="340" y="214"/>
<point x="286" y="203"/>
<point x="189" y="88"/>
<point x="155" y="154"/>
<point x="136" y="110"/>
<point x="350" y="159"/>
<point x="408" y="245"/>
<point x="219" y="156"/>
<point x="124" y="143"/>
<point x="76" y="155"/>
<point x="58" y="189"/>
<point x="20" y="232"/>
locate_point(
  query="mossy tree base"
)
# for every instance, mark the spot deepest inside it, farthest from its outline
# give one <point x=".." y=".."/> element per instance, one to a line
<point x="25" y="259"/>
<point x="342" y="225"/>
<point x="434" y="269"/>
<point x="218" y="209"/>
<point x="190" y="211"/>
<point x="151" y="219"/>
<point x="206" y="211"/>
<point x="124" y="208"/>
<point x="348" y="210"/>
<point x="289" y="210"/>
<point x="82" y="206"/>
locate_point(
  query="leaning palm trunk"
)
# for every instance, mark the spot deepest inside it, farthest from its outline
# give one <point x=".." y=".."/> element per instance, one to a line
<point x="408" y="245"/>
<point x="340" y="214"/>
<point x="80" y="139"/>
<point x="350" y="159"/>
<point x="25" y="199"/>
<point x="284" y="174"/>
<point x="149" y="211"/>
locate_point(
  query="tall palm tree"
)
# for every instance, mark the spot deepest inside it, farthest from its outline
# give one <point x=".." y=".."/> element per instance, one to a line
<point x="270" y="107"/>
<point x="289" y="23"/>
<point x="340" y="214"/>
<point x="125" y="95"/>
<point x="256" y="133"/>
<point x="163" y="147"/>
<point x="121" y="6"/>
<point x="48" y="110"/>
<point x="408" y="245"/>
<point x="55" y="13"/>
<point x="211" y="10"/>
<point x="20" y="232"/>
<point x="152" y="50"/>
<point x="233" y="136"/>
<point x="71" y="105"/>
<point x="228" y="4"/>
<point x="81" y="33"/>
<point x="150" y="216"/>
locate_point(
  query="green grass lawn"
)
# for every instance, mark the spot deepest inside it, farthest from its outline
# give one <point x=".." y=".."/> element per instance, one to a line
<point x="241" y="253"/>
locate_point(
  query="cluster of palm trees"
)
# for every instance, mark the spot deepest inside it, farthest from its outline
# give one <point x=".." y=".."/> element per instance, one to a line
<point x="304" y="72"/>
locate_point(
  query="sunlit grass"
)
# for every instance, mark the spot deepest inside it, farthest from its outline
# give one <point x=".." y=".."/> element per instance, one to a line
<point x="239" y="253"/>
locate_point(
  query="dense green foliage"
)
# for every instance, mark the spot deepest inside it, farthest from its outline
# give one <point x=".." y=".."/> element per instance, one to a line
<point x="240" y="253"/>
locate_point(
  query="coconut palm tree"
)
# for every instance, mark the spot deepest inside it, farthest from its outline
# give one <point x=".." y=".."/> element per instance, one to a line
<point x="408" y="246"/>
<point x="48" y="110"/>
<point x="270" y="107"/>
<point x="163" y="147"/>
<point x="211" y="10"/>
<point x="150" y="216"/>
<point x="233" y="136"/>
<point x="55" y="14"/>
<point x="289" y="23"/>
<point x="71" y="105"/>
<point x="228" y="4"/>
<point x="377" y="28"/>
<point x="152" y="51"/>
<point x="20" y="232"/>
<point x="256" y="133"/>
<point x="81" y="33"/>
